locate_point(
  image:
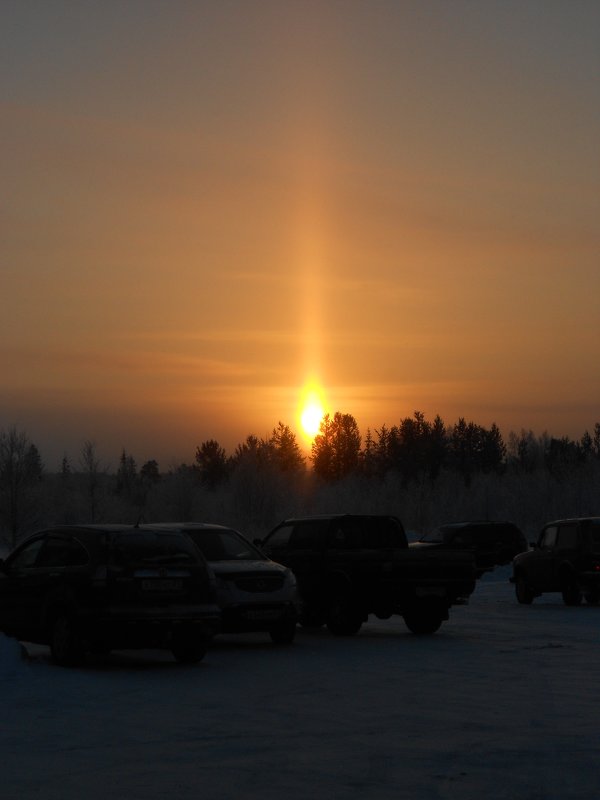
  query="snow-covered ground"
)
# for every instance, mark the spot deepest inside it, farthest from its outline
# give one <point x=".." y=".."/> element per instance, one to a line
<point x="503" y="702"/>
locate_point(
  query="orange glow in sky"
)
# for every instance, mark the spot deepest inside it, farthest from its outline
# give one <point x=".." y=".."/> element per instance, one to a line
<point x="205" y="204"/>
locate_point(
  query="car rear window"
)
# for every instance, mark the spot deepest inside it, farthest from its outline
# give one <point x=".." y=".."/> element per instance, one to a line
<point x="60" y="551"/>
<point x="149" y="547"/>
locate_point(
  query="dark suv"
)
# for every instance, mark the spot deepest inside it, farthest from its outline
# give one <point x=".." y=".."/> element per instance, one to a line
<point x="566" y="558"/>
<point x="492" y="543"/>
<point x="101" y="587"/>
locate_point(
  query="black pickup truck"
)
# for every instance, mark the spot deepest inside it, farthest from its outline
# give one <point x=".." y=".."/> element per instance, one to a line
<point x="349" y="566"/>
<point x="566" y="558"/>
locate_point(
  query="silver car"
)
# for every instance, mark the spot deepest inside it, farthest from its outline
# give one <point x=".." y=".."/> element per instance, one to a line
<point x="253" y="592"/>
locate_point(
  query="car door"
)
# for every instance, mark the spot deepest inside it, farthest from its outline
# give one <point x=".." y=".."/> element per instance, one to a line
<point x="20" y="589"/>
<point x="544" y="571"/>
<point x="567" y="548"/>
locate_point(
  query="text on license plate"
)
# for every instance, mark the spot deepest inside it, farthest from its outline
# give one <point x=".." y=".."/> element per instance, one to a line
<point x="162" y="584"/>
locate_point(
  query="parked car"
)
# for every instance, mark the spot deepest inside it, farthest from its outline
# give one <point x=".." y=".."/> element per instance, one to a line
<point x="254" y="593"/>
<point x="492" y="543"/>
<point x="351" y="565"/>
<point x="566" y="559"/>
<point x="94" y="588"/>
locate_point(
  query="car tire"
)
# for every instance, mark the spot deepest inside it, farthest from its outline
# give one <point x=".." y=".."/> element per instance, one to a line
<point x="522" y="591"/>
<point x="344" y="618"/>
<point x="423" y="622"/>
<point x="66" y="646"/>
<point x="283" y="633"/>
<point x="571" y="591"/>
<point x="188" y="648"/>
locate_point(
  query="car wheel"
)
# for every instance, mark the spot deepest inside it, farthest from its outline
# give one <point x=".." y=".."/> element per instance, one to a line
<point x="65" y="643"/>
<point x="571" y="591"/>
<point x="423" y="622"/>
<point x="344" y="618"/>
<point x="283" y="633"/>
<point x="523" y="592"/>
<point x="188" y="649"/>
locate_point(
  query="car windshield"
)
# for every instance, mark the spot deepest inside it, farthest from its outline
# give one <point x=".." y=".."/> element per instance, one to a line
<point x="149" y="547"/>
<point x="225" y="545"/>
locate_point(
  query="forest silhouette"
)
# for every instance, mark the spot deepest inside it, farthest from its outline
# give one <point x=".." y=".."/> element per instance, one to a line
<point x="425" y="472"/>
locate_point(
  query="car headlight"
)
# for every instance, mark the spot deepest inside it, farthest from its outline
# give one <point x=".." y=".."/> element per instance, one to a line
<point x="290" y="579"/>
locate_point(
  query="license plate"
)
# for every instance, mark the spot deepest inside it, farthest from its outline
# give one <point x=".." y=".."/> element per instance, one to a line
<point x="265" y="613"/>
<point x="162" y="585"/>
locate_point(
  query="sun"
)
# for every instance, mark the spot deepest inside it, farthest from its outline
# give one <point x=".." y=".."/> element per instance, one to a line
<point x="311" y="419"/>
<point x="311" y="410"/>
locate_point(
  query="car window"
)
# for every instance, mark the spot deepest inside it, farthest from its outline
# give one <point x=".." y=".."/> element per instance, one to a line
<point x="465" y="537"/>
<point x="59" y="551"/>
<point x="567" y="537"/>
<point x="225" y="546"/>
<point x="548" y="537"/>
<point x="304" y="536"/>
<point x="345" y="534"/>
<point x="150" y="547"/>
<point x="280" y="537"/>
<point x="382" y="532"/>
<point x="26" y="557"/>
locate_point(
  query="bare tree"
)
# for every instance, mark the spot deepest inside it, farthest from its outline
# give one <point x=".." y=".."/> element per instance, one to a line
<point x="91" y="469"/>
<point x="20" y="470"/>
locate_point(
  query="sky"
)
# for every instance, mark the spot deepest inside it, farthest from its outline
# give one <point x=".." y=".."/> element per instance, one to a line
<point x="208" y="208"/>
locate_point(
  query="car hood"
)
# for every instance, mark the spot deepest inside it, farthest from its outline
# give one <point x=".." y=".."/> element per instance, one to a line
<point x="244" y="567"/>
<point x="419" y="545"/>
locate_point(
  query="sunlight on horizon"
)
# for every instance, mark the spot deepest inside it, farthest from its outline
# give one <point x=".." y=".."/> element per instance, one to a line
<point x="311" y="409"/>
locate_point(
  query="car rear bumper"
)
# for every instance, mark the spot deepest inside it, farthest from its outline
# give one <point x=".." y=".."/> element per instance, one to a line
<point x="149" y="626"/>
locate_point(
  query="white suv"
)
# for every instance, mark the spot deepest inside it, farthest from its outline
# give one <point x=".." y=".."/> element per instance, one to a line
<point x="253" y="592"/>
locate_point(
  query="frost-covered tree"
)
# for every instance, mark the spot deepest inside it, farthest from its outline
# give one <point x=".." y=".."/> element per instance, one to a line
<point x="21" y="470"/>
<point x="286" y="451"/>
<point x="336" y="448"/>
<point x="211" y="463"/>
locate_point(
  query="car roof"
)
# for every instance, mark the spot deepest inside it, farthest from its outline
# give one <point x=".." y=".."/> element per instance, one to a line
<point x="316" y="517"/>
<point x="112" y="527"/>
<point x="489" y="522"/>
<point x="185" y="526"/>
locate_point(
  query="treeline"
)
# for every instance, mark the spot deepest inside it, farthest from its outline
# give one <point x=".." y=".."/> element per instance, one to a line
<point x="423" y="471"/>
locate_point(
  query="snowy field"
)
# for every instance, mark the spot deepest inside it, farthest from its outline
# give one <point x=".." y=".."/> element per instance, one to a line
<point x="503" y="702"/>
